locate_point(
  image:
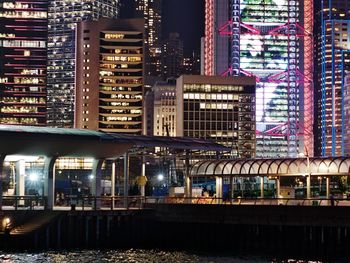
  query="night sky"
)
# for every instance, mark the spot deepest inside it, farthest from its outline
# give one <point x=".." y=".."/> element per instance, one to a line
<point x="183" y="16"/>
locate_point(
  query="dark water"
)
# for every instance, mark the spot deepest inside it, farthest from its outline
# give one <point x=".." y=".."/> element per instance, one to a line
<point x="135" y="256"/>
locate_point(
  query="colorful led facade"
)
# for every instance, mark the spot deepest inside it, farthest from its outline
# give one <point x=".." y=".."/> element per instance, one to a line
<point x="268" y="41"/>
<point x="23" y="34"/>
<point x="332" y="66"/>
<point x="109" y="75"/>
<point x="63" y="16"/>
<point x="221" y="109"/>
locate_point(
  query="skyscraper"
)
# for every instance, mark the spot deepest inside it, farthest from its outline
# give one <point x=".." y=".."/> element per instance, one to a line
<point x="172" y="56"/>
<point x="109" y="75"/>
<point x="23" y="34"/>
<point x="63" y="16"/>
<point x="151" y="11"/>
<point x="271" y="41"/>
<point x="332" y="67"/>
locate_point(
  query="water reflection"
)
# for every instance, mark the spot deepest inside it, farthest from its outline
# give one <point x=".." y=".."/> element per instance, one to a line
<point x="132" y="256"/>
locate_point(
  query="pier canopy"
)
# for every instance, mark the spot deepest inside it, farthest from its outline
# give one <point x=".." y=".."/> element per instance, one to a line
<point x="60" y="142"/>
<point x="322" y="166"/>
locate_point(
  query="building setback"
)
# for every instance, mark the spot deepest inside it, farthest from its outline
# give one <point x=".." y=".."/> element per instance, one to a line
<point x="109" y="75"/>
<point x="23" y="34"/>
<point x="63" y="17"/>
<point x="332" y="65"/>
<point x="217" y="108"/>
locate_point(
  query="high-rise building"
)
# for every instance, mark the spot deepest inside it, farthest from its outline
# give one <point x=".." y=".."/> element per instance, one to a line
<point x="109" y="75"/>
<point x="346" y="111"/>
<point x="151" y="11"/>
<point x="332" y="57"/>
<point x="192" y="65"/>
<point x="217" y="108"/>
<point x="271" y="41"/>
<point x="63" y="16"/>
<point x="172" y="56"/>
<point x="160" y="109"/>
<point x="23" y="34"/>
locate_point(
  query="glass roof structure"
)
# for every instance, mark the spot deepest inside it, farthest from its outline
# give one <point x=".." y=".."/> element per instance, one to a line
<point x="325" y="166"/>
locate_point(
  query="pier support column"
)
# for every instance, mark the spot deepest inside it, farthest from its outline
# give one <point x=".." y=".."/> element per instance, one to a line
<point x="308" y="186"/>
<point x="126" y="177"/>
<point x="114" y="167"/>
<point x="96" y="181"/>
<point x="328" y="187"/>
<point x="218" y="188"/>
<point x="2" y="159"/>
<point x="262" y="187"/>
<point x="49" y="181"/>
<point x="278" y="187"/>
<point x="20" y="180"/>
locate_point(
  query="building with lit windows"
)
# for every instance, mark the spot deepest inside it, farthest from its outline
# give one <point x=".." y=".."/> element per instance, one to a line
<point x="332" y="66"/>
<point x="63" y="17"/>
<point x="109" y="75"/>
<point x="221" y="109"/>
<point x="172" y="56"/>
<point x="346" y="112"/>
<point x="23" y="35"/>
<point x="271" y="41"/>
<point x="160" y="109"/>
<point x="151" y="11"/>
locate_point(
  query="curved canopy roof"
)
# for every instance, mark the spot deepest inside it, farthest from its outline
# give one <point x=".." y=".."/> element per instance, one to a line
<point x="273" y="167"/>
<point x="28" y="140"/>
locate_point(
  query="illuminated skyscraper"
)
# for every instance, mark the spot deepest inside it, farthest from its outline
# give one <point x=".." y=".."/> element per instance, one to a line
<point x="172" y="56"/>
<point x="151" y="11"/>
<point x="63" y="16"/>
<point x="23" y="34"/>
<point x="109" y="75"/>
<point x="270" y="40"/>
<point x="332" y="57"/>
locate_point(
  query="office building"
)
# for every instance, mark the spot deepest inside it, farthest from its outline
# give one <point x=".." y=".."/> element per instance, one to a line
<point x="160" y="109"/>
<point x="271" y="41"/>
<point x="109" y="75"/>
<point x="23" y="34"/>
<point x="332" y="45"/>
<point x="221" y="109"/>
<point x="63" y="17"/>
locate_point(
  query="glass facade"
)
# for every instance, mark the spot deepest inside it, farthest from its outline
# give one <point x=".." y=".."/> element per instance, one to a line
<point x="224" y="113"/>
<point x="269" y="50"/>
<point x="63" y="16"/>
<point x="332" y="65"/>
<point x="23" y="34"/>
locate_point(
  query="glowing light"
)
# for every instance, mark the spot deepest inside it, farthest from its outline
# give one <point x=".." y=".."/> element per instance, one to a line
<point x="33" y="177"/>
<point x="160" y="177"/>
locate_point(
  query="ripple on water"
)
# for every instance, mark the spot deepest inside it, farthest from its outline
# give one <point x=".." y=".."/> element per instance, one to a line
<point x="131" y="256"/>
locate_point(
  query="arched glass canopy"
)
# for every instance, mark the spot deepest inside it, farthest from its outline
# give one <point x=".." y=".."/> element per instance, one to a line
<point x="325" y="166"/>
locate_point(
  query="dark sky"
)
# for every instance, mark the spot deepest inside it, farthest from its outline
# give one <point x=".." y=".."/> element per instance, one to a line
<point x="183" y="16"/>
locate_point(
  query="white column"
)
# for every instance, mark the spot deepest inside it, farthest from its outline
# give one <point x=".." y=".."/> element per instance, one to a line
<point x="114" y="167"/>
<point x="308" y="186"/>
<point x="2" y="158"/>
<point x="262" y="187"/>
<point x="188" y="183"/>
<point x="97" y="177"/>
<point x="20" y="179"/>
<point x="96" y="181"/>
<point x="218" y="188"/>
<point x="327" y="187"/>
<point x="278" y="187"/>
<point x="49" y="182"/>
<point x="231" y="188"/>
<point x="143" y="174"/>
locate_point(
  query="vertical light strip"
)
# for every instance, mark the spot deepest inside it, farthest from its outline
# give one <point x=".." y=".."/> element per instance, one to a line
<point x="308" y="73"/>
<point x="209" y="38"/>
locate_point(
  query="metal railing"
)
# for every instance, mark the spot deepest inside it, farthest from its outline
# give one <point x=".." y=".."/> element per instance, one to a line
<point x="139" y="202"/>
